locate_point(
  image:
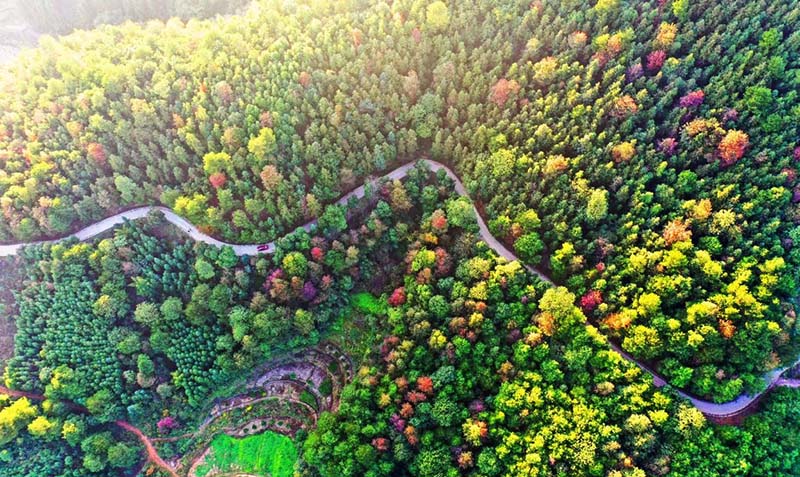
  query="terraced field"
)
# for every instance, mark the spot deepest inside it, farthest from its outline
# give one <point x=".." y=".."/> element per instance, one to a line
<point x="254" y="429"/>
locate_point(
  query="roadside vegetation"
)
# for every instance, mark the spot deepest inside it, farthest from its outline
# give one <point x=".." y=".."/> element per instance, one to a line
<point x="641" y="154"/>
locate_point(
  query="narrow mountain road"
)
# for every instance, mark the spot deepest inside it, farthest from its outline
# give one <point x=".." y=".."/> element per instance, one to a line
<point x="787" y="383"/>
<point x="253" y="249"/>
<point x="711" y="409"/>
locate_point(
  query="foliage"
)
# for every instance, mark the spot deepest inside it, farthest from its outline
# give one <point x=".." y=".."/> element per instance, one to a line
<point x="644" y="154"/>
<point x="140" y="324"/>
<point x="267" y="453"/>
<point x="543" y="108"/>
<point x="469" y="391"/>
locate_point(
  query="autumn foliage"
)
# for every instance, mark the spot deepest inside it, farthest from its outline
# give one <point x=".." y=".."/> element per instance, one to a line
<point x="502" y="90"/>
<point x="732" y="146"/>
<point x="398" y="297"/>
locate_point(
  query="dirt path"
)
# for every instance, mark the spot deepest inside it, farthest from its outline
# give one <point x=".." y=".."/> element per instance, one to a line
<point x="197" y="462"/>
<point x="150" y="450"/>
<point x="152" y="454"/>
<point x="19" y="394"/>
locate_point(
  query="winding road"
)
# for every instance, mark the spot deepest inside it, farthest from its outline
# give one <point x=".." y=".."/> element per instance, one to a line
<point x="710" y="409"/>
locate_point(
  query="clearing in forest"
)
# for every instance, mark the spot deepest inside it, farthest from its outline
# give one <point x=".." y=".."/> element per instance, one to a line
<point x="269" y="453"/>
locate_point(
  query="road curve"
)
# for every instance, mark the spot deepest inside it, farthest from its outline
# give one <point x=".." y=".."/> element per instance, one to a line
<point x="150" y="450"/>
<point x="252" y="249"/>
<point x="711" y="409"/>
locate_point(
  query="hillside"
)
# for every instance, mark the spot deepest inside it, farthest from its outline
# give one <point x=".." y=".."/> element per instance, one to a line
<point x="634" y="164"/>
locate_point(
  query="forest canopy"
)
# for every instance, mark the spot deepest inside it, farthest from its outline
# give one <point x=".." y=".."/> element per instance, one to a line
<point x="651" y="171"/>
<point x="641" y="154"/>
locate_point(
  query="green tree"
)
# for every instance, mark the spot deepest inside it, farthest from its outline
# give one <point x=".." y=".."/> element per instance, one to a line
<point x="333" y="220"/>
<point x="147" y="314"/>
<point x="437" y="15"/>
<point x="263" y="145"/>
<point x="129" y="191"/>
<point x="73" y="430"/>
<point x="643" y="342"/>
<point x="758" y="99"/>
<point x="102" y="405"/>
<point x="122" y="456"/>
<point x="529" y="248"/>
<point x="528" y="221"/>
<point x="295" y="264"/>
<point x="204" y="269"/>
<point x="597" y="207"/>
<point x="460" y="213"/>
<point x="215" y="162"/>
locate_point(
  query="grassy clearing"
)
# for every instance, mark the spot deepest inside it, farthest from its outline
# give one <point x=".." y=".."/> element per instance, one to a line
<point x="369" y="303"/>
<point x="359" y="329"/>
<point x="263" y="454"/>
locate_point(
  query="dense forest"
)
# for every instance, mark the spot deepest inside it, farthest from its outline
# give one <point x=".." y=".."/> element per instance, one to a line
<point x="663" y="189"/>
<point x="641" y="154"/>
<point x="481" y="369"/>
<point x="172" y="321"/>
<point x="487" y="373"/>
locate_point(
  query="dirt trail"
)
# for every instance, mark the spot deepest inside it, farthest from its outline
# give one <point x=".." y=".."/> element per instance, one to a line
<point x="20" y="394"/>
<point x="152" y="454"/>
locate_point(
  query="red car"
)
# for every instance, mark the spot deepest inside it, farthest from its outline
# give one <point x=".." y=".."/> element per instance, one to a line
<point x="262" y="248"/>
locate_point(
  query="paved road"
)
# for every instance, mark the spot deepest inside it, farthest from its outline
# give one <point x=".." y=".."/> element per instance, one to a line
<point x="133" y="214"/>
<point x="252" y="249"/>
<point x="711" y="409"/>
<point x="788" y="383"/>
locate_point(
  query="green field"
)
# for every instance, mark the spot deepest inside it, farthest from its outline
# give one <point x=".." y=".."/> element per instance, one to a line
<point x="265" y="454"/>
<point x="369" y="303"/>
